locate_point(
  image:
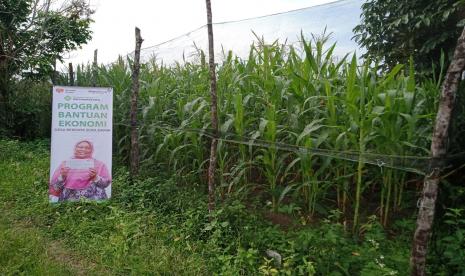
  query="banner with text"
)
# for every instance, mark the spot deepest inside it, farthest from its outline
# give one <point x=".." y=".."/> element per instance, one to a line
<point x="81" y="147"/>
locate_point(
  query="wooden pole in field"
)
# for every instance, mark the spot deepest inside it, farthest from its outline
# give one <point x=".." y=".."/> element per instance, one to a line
<point x="134" y="157"/>
<point x="71" y="74"/>
<point x="94" y="69"/>
<point x="440" y="137"/>
<point x="214" y="114"/>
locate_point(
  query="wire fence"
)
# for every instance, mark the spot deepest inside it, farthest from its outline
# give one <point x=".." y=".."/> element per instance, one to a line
<point x="336" y="19"/>
<point x="417" y="164"/>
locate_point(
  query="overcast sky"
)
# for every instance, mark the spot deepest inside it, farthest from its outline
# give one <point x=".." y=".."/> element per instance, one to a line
<point x="113" y="29"/>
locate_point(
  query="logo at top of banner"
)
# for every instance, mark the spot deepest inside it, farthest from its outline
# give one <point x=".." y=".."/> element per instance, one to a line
<point x="91" y="90"/>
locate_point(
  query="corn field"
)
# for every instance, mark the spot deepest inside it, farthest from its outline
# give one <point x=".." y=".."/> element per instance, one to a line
<point x="300" y="95"/>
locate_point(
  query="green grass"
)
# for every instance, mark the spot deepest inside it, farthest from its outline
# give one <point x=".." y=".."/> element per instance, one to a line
<point x="158" y="226"/>
<point x="101" y="237"/>
<point x="25" y="251"/>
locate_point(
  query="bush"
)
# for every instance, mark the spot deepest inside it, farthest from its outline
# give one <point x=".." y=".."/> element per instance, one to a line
<point x="27" y="114"/>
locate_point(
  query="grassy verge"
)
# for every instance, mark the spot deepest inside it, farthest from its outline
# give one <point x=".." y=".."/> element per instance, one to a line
<point x="39" y="238"/>
<point x="158" y="225"/>
<point x="24" y="250"/>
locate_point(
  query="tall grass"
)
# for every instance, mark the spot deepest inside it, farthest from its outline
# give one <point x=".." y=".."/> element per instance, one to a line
<point x="300" y="95"/>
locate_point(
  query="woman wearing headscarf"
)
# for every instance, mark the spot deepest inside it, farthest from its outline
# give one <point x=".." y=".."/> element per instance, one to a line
<point x="82" y="176"/>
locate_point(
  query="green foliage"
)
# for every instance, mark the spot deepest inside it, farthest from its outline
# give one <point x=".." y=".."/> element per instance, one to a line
<point x="449" y="244"/>
<point x="32" y="37"/>
<point x="298" y="95"/>
<point x="278" y="96"/>
<point x="29" y="110"/>
<point x="393" y="30"/>
<point x="311" y="100"/>
<point x="454" y="243"/>
<point x="159" y="224"/>
<point x="152" y="224"/>
<point x="33" y="34"/>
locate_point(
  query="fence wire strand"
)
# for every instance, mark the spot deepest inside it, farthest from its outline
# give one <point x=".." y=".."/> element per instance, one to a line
<point x="408" y="163"/>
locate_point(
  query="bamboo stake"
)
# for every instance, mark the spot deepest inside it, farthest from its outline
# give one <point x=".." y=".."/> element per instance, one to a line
<point x="134" y="97"/>
<point x="214" y="114"/>
<point x="427" y="203"/>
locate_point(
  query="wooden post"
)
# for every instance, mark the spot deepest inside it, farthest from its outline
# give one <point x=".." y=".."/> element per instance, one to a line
<point x="71" y="74"/>
<point x="78" y="75"/>
<point x="427" y="202"/>
<point x="135" y="93"/>
<point x="94" y="69"/>
<point x="214" y="114"/>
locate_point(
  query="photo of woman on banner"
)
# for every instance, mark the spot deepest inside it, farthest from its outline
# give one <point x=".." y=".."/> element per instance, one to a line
<point x="81" y="176"/>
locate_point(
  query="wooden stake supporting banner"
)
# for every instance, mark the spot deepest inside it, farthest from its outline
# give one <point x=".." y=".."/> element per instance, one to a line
<point x="427" y="202"/>
<point x="134" y="98"/>
<point x="214" y="114"/>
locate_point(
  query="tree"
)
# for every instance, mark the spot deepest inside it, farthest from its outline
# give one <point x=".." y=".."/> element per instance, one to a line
<point x="33" y="35"/>
<point x="439" y="143"/>
<point x="393" y="30"/>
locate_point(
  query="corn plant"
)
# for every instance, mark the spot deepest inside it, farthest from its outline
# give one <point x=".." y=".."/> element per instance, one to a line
<point x="302" y="96"/>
